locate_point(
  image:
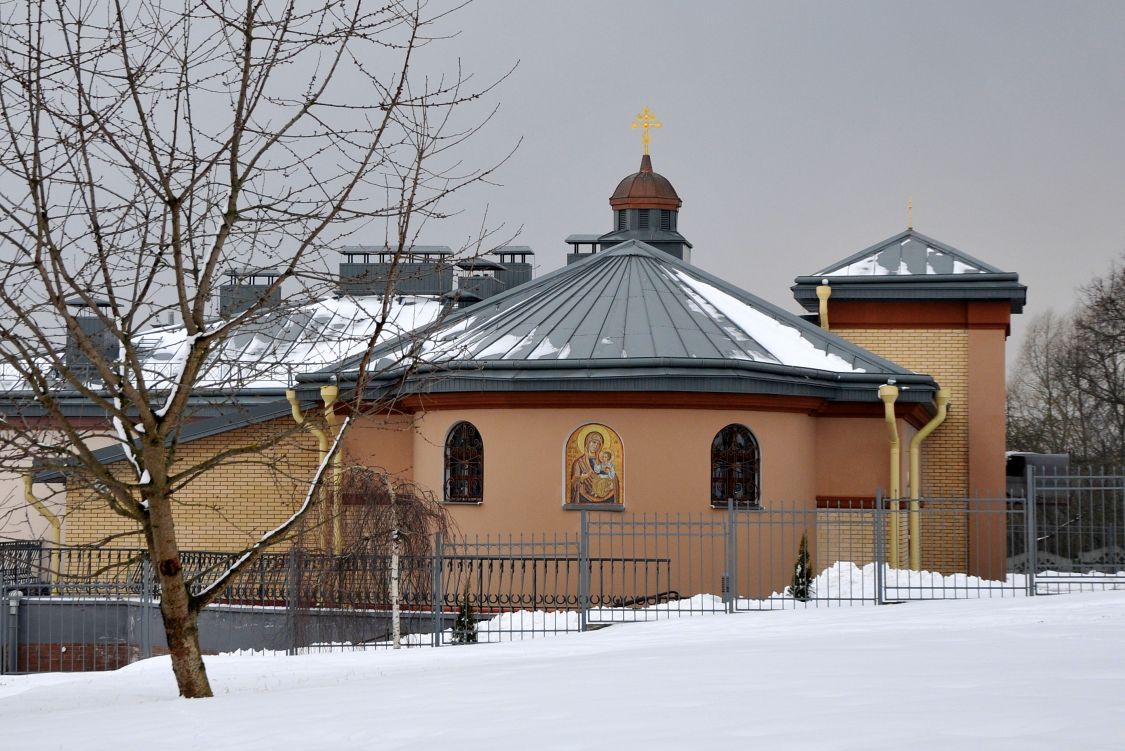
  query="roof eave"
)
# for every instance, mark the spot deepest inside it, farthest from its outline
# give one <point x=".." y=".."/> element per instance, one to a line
<point x="971" y="287"/>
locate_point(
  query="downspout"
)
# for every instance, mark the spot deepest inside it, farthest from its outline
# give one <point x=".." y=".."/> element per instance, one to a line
<point x="889" y="393"/>
<point x="52" y="519"/>
<point x="321" y="437"/>
<point x="329" y="393"/>
<point x="823" y="292"/>
<point x="942" y="399"/>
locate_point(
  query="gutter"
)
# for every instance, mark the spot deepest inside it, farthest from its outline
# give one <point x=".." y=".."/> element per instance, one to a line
<point x="322" y="442"/>
<point x="634" y="363"/>
<point x="942" y="399"/>
<point x="889" y="393"/>
<point x="52" y="519"/>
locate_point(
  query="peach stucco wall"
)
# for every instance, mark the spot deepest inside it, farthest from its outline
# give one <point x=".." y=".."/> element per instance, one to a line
<point x="987" y="422"/>
<point x="666" y="464"/>
<point x="386" y="443"/>
<point x="853" y="456"/>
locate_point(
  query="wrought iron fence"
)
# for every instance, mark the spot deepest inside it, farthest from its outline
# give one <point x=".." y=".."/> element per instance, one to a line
<point x="97" y="608"/>
<point x="1076" y="534"/>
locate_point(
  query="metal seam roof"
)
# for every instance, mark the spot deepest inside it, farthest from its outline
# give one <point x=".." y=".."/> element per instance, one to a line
<point x="655" y="304"/>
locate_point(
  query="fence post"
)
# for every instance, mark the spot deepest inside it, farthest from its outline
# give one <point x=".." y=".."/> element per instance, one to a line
<point x="4" y="660"/>
<point x="436" y="592"/>
<point x="292" y="596"/>
<point x="729" y="578"/>
<point x="1031" y="530"/>
<point x="146" y="606"/>
<point x="879" y="536"/>
<point x="583" y="569"/>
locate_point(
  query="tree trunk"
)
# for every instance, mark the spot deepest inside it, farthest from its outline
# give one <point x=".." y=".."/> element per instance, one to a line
<point x="181" y="628"/>
<point x="181" y="620"/>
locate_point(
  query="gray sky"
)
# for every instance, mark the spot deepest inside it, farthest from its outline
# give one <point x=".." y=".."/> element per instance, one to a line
<point x="795" y="131"/>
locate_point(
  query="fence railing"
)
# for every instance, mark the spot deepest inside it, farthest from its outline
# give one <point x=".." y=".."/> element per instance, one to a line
<point x="96" y="608"/>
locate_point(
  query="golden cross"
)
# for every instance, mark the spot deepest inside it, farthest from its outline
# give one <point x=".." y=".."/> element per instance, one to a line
<point x="644" y="121"/>
<point x="909" y="213"/>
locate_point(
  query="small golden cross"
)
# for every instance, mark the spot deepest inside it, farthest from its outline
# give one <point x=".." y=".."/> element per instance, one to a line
<point x="909" y="213"/>
<point x="644" y="121"/>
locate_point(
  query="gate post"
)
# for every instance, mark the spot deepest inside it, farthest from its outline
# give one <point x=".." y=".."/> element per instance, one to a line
<point x="1031" y="530"/>
<point x="583" y="569"/>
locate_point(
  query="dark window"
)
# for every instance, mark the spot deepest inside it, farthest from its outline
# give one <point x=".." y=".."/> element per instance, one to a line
<point x="464" y="464"/>
<point x="666" y="220"/>
<point x="621" y="220"/>
<point x="642" y="219"/>
<point x="735" y="468"/>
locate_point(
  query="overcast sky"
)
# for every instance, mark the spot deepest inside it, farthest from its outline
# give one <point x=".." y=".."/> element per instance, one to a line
<point x="794" y="132"/>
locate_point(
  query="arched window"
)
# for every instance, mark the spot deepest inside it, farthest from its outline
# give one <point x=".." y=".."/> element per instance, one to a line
<point x="464" y="464"/>
<point x="735" y="468"/>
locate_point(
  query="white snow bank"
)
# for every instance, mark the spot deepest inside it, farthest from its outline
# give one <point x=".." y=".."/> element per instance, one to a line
<point x="1030" y="674"/>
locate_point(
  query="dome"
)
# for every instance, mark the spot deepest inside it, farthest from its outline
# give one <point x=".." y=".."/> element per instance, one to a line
<point x="645" y="190"/>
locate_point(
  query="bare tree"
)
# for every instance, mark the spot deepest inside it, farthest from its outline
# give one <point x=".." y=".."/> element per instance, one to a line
<point x="1067" y="391"/>
<point x="146" y="151"/>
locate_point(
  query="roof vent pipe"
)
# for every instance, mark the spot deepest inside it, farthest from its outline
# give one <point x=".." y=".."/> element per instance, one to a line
<point x="93" y="328"/>
<point x="244" y="288"/>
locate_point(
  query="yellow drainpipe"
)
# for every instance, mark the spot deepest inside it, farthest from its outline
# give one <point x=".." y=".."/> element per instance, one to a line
<point x="329" y="393"/>
<point x="942" y="399"/>
<point x="52" y="520"/>
<point x="889" y="394"/>
<point x="823" y="292"/>
<point x="321" y="437"/>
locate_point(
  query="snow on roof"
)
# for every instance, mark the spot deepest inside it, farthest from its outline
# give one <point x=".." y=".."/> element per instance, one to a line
<point x="908" y="254"/>
<point x="271" y="349"/>
<point x="785" y="343"/>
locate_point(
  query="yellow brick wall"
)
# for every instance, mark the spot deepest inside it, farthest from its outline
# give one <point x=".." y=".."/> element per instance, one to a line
<point x="227" y="508"/>
<point x="944" y="354"/>
<point x="849" y="536"/>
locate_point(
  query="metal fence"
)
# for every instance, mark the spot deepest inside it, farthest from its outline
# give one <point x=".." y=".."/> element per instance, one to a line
<point x="98" y="608"/>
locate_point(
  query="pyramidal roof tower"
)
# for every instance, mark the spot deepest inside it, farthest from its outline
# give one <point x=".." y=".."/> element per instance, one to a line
<point x="645" y="207"/>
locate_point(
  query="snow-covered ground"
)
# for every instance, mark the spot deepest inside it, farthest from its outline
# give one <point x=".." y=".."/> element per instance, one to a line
<point x="1026" y="673"/>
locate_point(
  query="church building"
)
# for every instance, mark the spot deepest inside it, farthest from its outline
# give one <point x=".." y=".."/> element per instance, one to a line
<point x="631" y="380"/>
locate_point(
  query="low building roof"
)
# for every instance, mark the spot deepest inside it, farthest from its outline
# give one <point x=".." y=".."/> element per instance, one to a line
<point x="912" y="266"/>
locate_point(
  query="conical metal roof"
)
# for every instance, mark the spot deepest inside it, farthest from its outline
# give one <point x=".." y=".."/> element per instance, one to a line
<point x="638" y="315"/>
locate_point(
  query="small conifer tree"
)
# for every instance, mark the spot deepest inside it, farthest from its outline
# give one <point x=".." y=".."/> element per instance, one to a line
<point x="465" y="627"/>
<point x="802" y="587"/>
